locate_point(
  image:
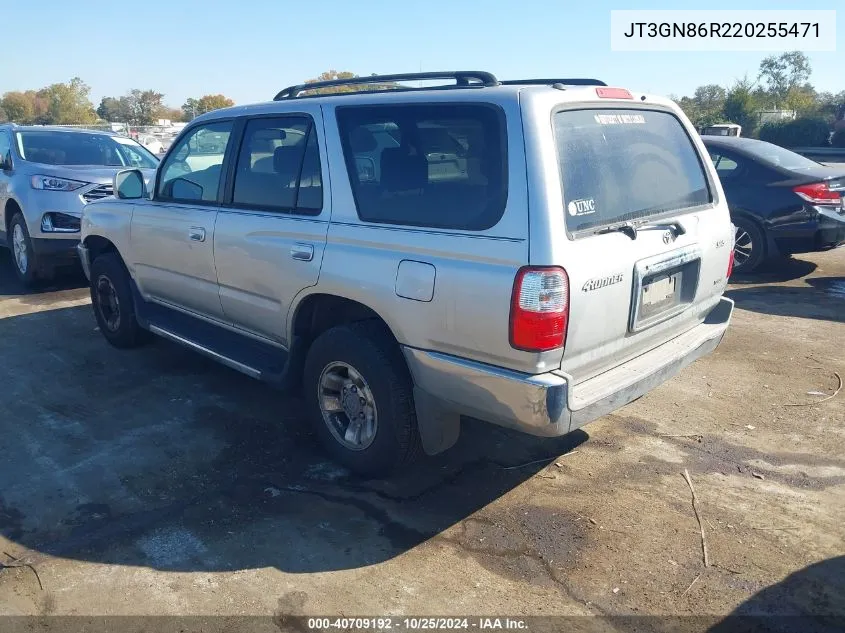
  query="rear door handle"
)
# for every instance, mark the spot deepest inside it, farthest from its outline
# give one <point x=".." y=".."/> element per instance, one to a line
<point x="302" y="252"/>
<point x="196" y="234"/>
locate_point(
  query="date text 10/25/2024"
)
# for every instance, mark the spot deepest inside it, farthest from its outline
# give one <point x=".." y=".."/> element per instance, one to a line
<point x="417" y="624"/>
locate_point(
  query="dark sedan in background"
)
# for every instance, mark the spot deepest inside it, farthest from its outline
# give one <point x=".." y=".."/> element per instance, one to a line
<point x="781" y="203"/>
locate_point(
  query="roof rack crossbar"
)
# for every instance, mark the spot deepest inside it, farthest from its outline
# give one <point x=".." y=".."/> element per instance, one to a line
<point x="463" y="78"/>
<point x="571" y="81"/>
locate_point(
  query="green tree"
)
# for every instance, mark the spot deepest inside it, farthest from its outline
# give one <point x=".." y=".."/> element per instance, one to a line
<point x="67" y="103"/>
<point x="110" y="109"/>
<point x="190" y="109"/>
<point x="19" y="106"/>
<point x="208" y="103"/>
<point x="142" y="107"/>
<point x="741" y="106"/>
<point x="802" y="99"/>
<point x="780" y="73"/>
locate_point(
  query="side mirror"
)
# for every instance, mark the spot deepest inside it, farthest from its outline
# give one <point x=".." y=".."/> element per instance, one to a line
<point x="129" y="185"/>
<point x="6" y="162"/>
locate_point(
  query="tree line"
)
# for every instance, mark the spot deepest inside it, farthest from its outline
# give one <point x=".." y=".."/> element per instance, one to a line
<point x="782" y="83"/>
<point x="70" y="104"/>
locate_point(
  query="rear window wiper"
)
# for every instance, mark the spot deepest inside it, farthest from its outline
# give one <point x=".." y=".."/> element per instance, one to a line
<point x="676" y="227"/>
<point x="630" y="228"/>
<point x="627" y="228"/>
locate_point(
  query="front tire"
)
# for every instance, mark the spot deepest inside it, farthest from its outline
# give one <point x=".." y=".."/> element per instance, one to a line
<point x="28" y="267"/>
<point x="359" y="395"/>
<point x="114" y="307"/>
<point x="749" y="246"/>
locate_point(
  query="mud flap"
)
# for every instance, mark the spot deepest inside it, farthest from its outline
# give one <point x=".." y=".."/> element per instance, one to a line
<point x="439" y="427"/>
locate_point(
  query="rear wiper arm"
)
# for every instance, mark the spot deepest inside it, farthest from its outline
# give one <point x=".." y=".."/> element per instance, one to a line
<point x="627" y="228"/>
<point x="676" y="227"/>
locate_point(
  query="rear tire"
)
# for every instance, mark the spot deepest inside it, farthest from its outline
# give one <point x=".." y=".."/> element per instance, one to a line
<point x="749" y="246"/>
<point x="114" y="306"/>
<point x="29" y="268"/>
<point x="359" y="395"/>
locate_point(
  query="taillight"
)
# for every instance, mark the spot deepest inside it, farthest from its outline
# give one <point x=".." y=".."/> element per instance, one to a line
<point x="730" y="264"/>
<point x="539" y="309"/>
<point x="818" y="193"/>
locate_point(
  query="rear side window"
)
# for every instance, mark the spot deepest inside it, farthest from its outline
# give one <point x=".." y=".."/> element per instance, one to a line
<point x="619" y="165"/>
<point x="440" y="166"/>
<point x="279" y="166"/>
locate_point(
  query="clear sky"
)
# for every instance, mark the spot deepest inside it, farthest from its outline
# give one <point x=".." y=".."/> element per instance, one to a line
<point x="249" y="49"/>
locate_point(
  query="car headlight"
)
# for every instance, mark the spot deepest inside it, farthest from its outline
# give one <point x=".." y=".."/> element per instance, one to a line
<point x="49" y="183"/>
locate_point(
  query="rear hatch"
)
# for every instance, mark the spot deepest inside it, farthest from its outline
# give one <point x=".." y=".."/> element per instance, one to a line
<point x="647" y="244"/>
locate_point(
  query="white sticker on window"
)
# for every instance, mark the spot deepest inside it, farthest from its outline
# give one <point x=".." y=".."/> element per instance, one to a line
<point x="585" y="206"/>
<point x="619" y="119"/>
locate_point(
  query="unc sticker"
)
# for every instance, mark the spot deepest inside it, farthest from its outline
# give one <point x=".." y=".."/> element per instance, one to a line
<point x="585" y="206"/>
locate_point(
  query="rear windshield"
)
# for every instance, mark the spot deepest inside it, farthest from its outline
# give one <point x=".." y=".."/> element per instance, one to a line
<point x="55" y="147"/>
<point x="777" y="156"/>
<point x="619" y="165"/>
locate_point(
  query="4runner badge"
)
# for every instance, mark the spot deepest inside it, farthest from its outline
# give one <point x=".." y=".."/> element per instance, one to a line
<point x="602" y="282"/>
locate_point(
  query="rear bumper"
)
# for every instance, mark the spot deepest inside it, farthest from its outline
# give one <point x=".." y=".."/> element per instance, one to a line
<point x="548" y="404"/>
<point x="825" y="231"/>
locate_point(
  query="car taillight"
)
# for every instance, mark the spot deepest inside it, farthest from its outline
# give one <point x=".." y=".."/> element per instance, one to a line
<point x="730" y="264"/>
<point x="539" y="309"/>
<point x="818" y="193"/>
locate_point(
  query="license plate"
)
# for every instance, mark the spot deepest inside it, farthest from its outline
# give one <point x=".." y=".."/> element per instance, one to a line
<point x="659" y="294"/>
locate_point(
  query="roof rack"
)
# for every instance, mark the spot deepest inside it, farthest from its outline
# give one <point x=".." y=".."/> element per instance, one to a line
<point x="463" y="79"/>
<point x="572" y="81"/>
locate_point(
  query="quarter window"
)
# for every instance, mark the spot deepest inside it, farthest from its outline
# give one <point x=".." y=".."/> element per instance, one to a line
<point x="441" y="166"/>
<point x="726" y="167"/>
<point x="279" y="166"/>
<point x="193" y="170"/>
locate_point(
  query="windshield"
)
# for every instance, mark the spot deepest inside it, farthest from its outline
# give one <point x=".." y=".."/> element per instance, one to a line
<point x="777" y="156"/>
<point x="618" y="165"/>
<point x="54" y="147"/>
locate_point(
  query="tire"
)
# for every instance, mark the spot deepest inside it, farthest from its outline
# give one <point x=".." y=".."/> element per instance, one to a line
<point x="28" y="267"/>
<point x="366" y="348"/>
<point x="113" y="304"/>
<point x="749" y="246"/>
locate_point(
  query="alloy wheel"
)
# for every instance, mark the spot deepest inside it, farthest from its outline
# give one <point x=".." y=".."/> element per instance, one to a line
<point x="347" y="405"/>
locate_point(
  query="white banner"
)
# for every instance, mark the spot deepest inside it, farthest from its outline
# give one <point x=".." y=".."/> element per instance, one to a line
<point x="721" y="30"/>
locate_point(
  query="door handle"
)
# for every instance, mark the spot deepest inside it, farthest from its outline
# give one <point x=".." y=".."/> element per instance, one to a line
<point x="196" y="234"/>
<point x="302" y="252"/>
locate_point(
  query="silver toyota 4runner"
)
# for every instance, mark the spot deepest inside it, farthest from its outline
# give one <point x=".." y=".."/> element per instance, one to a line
<point x="533" y="253"/>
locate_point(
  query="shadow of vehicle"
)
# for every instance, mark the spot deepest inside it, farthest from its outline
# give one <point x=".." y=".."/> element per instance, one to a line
<point x="158" y="457"/>
<point x="823" y="298"/>
<point x="777" y="270"/>
<point x="811" y="600"/>
<point x="67" y="278"/>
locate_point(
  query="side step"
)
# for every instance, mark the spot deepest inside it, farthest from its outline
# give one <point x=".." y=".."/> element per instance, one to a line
<point x="237" y="351"/>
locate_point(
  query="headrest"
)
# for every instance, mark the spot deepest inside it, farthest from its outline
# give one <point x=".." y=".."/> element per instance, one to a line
<point x="286" y="159"/>
<point x="362" y="140"/>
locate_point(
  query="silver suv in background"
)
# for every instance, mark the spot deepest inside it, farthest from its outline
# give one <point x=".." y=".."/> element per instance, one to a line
<point x="533" y="253"/>
<point x="47" y="175"/>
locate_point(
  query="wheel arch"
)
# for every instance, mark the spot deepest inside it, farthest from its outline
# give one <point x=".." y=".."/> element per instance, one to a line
<point x="10" y="210"/>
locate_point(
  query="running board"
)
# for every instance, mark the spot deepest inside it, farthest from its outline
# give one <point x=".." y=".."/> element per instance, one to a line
<point x="252" y="372"/>
<point x="239" y="351"/>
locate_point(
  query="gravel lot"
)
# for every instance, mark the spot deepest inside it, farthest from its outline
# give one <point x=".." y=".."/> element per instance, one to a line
<point x="157" y="482"/>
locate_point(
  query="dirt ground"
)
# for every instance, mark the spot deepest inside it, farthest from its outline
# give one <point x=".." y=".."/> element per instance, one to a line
<point x="157" y="482"/>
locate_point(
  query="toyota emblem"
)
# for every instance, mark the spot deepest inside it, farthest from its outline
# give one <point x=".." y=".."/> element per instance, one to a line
<point x="668" y="236"/>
